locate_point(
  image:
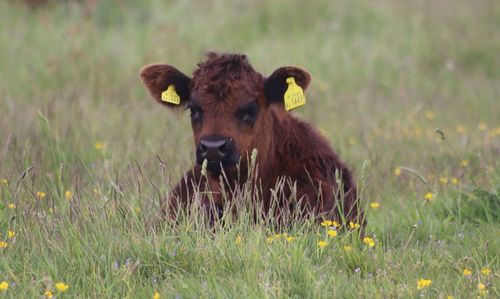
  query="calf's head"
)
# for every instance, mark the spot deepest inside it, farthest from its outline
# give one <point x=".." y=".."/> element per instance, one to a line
<point x="229" y="103"/>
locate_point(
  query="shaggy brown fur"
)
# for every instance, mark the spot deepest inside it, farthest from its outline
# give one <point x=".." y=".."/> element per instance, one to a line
<point x="228" y="98"/>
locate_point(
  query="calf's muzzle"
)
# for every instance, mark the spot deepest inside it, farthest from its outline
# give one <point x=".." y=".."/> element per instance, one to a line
<point x="218" y="151"/>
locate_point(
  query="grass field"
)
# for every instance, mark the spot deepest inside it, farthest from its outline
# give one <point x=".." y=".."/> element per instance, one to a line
<point x="81" y="144"/>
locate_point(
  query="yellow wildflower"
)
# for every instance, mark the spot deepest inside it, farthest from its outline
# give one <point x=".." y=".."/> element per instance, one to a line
<point x="156" y="295"/>
<point x="270" y="240"/>
<point x="423" y="283"/>
<point x="40" y="195"/>
<point x="418" y="132"/>
<point x="332" y="233"/>
<point x="137" y="209"/>
<point x="443" y="180"/>
<point x="11" y="206"/>
<point x="460" y="129"/>
<point x="326" y="223"/>
<point x="464" y="162"/>
<point x="347" y="248"/>
<point x="3" y="244"/>
<point x="62" y="287"/>
<point x="482" y="288"/>
<point x="369" y="241"/>
<point x="482" y="126"/>
<point x="322" y="244"/>
<point x="486" y="271"/>
<point x="4" y="286"/>
<point x="238" y="240"/>
<point x="99" y="145"/>
<point x="467" y="272"/>
<point x="397" y="171"/>
<point x="4" y="182"/>
<point x="11" y="234"/>
<point x="454" y="181"/>
<point x="353" y="225"/>
<point x="429" y="196"/>
<point x="69" y="195"/>
<point x="96" y="191"/>
<point x="497" y="131"/>
<point x="430" y="114"/>
<point x="330" y="223"/>
<point x="375" y="205"/>
<point x="48" y="294"/>
<point x="449" y="297"/>
<point x="290" y="239"/>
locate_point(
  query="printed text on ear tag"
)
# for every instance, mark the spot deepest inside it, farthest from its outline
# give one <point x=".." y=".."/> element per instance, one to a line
<point x="294" y="95"/>
<point x="170" y="96"/>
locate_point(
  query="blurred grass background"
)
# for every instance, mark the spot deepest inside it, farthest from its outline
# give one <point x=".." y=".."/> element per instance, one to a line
<point x="386" y="74"/>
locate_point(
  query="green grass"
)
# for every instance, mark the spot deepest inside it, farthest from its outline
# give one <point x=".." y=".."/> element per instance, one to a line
<point x="386" y="75"/>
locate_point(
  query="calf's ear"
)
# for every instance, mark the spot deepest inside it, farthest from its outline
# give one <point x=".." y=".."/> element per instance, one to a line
<point x="276" y="85"/>
<point x="166" y="84"/>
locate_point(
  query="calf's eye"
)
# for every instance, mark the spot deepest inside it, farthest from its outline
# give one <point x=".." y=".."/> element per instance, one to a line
<point x="196" y="113"/>
<point x="248" y="114"/>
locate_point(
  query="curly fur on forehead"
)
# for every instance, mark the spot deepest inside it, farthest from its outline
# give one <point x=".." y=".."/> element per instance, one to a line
<point x="219" y="74"/>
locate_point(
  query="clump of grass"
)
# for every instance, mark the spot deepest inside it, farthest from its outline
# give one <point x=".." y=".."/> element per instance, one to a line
<point x="475" y="206"/>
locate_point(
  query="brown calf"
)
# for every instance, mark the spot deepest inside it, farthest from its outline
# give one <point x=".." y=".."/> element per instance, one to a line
<point x="234" y="110"/>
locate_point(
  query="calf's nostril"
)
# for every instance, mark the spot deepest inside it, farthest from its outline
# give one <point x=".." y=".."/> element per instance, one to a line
<point x="223" y="149"/>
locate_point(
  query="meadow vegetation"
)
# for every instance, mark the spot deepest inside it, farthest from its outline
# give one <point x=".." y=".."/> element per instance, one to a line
<point x="407" y="92"/>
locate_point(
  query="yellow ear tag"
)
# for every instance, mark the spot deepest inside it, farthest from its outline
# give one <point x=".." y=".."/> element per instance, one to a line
<point x="294" y="95"/>
<point x="170" y="96"/>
